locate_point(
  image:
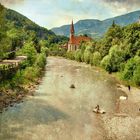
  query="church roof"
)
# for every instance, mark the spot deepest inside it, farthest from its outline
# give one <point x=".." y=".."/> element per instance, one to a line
<point x="78" y="39"/>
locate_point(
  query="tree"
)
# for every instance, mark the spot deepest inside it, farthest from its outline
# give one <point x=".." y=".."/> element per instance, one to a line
<point x="96" y="59"/>
<point x="2" y="33"/>
<point x="105" y="63"/>
<point x="113" y="36"/>
<point x="78" y="56"/>
<point x="131" y="70"/>
<point x="114" y="59"/>
<point x="87" y="54"/>
<point x="136" y="75"/>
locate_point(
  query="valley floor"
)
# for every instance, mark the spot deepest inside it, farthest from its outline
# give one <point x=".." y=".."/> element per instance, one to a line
<point x="58" y="112"/>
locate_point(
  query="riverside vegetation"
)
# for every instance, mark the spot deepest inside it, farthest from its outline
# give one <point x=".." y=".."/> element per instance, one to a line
<point x="118" y="51"/>
<point x="21" y="37"/>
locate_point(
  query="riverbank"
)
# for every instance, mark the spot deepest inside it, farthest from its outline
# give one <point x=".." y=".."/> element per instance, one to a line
<point x="125" y="124"/>
<point x="9" y="97"/>
<point x="26" y="78"/>
<point x="131" y="106"/>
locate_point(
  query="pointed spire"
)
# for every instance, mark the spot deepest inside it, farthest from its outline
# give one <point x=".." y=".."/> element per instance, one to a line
<point x="113" y="23"/>
<point x="72" y="28"/>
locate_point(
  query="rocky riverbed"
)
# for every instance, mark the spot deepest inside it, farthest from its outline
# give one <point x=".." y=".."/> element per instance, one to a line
<point x="10" y="97"/>
<point x="58" y="112"/>
<point x="125" y="124"/>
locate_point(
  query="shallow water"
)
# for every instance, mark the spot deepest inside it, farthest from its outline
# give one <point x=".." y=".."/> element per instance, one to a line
<point x="57" y="112"/>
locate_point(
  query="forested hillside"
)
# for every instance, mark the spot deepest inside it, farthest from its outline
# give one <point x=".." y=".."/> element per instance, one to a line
<point x="17" y="29"/>
<point x="17" y="20"/>
<point x="118" y="51"/>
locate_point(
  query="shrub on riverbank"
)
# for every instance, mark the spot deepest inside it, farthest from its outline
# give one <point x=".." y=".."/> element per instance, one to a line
<point x="30" y="69"/>
<point x="131" y="71"/>
<point x="35" y="63"/>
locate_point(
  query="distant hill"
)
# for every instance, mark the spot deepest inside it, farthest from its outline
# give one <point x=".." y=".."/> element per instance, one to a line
<point x="19" y="21"/>
<point x="96" y="28"/>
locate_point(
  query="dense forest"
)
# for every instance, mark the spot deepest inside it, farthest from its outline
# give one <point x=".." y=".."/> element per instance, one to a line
<point x="117" y="51"/>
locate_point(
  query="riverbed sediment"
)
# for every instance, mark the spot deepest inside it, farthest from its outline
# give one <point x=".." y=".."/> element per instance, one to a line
<point x="58" y="112"/>
<point x="125" y="124"/>
<point x="10" y="97"/>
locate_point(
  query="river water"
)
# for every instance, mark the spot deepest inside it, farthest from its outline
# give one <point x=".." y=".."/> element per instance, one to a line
<point x="57" y="112"/>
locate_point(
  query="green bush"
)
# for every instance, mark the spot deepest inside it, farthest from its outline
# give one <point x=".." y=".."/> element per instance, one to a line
<point x="70" y="55"/>
<point x="87" y="56"/>
<point x="40" y="61"/>
<point x="96" y="59"/>
<point x="105" y="63"/>
<point x="78" y="56"/>
<point x="29" y="51"/>
<point x="31" y="73"/>
<point x="18" y="78"/>
<point x="132" y="70"/>
<point x="136" y="75"/>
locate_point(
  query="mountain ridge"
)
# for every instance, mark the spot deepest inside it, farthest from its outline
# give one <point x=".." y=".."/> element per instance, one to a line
<point x="20" y="21"/>
<point x="95" y="27"/>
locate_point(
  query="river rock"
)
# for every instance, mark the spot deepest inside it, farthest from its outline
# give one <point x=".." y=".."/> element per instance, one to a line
<point x="11" y="105"/>
<point x="72" y="86"/>
<point x="19" y="97"/>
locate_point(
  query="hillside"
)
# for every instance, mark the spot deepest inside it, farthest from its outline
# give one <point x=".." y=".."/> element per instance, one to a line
<point x="97" y="28"/>
<point x="17" y="30"/>
<point x="19" y="21"/>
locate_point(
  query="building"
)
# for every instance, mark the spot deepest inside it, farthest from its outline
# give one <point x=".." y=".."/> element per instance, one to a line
<point x="74" y="41"/>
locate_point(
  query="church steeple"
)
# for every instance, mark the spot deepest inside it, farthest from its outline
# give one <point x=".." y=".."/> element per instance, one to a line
<point x="72" y="29"/>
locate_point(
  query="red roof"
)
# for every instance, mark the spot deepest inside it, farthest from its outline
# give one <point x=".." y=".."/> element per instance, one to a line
<point x="78" y="39"/>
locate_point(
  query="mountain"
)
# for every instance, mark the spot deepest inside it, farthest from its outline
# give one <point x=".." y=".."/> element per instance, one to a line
<point x="19" y="21"/>
<point x="22" y="23"/>
<point x="96" y="28"/>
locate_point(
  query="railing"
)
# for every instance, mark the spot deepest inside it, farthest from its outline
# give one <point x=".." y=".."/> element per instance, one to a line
<point x="9" y="67"/>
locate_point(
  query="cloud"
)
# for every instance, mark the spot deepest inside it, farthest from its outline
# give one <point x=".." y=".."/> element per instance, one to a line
<point x="11" y="2"/>
<point x="51" y="13"/>
<point x="123" y="5"/>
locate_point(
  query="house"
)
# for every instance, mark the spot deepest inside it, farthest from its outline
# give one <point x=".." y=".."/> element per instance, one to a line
<point x="74" y="41"/>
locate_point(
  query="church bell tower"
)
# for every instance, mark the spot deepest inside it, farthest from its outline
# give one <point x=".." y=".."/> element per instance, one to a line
<point x="72" y="30"/>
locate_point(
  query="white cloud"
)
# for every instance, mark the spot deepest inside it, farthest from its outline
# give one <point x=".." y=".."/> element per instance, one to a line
<point x="122" y="6"/>
<point x="51" y="13"/>
<point x="11" y="2"/>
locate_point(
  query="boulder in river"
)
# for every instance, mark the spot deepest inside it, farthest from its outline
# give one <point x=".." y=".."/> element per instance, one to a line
<point x="72" y="86"/>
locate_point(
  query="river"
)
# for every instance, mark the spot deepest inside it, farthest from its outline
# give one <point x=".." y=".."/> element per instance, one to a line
<point x="57" y="112"/>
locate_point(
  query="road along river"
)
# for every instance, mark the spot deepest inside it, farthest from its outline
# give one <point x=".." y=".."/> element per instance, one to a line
<point x="57" y="112"/>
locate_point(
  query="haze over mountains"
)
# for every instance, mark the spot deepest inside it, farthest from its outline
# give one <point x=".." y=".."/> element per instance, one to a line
<point x="96" y="28"/>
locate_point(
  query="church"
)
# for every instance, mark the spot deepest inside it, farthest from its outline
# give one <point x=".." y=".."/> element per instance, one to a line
<point x="74" y="41"/>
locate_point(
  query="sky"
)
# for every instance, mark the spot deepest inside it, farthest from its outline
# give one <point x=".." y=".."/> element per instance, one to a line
<point x="55" y="13"/>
